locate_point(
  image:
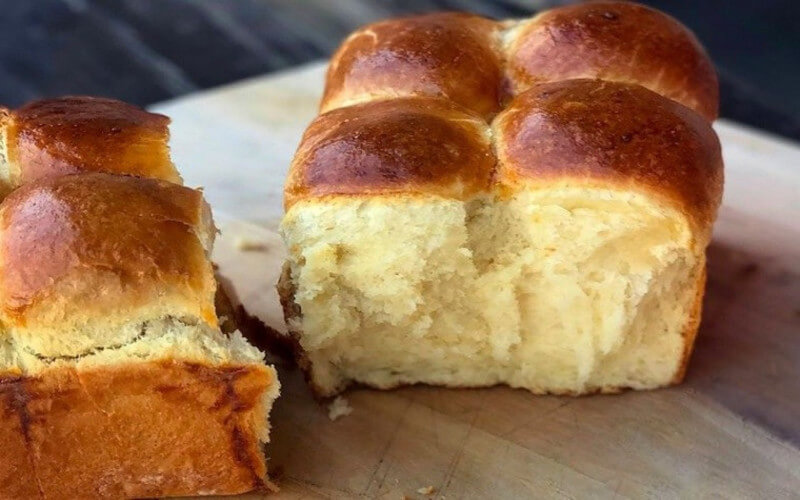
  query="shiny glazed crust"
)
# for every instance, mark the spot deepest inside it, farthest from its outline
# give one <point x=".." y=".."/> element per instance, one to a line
<point x="389" y="141"/>
<point x="85" y="244"/>
<point x="449" y="55"/>
<point x="417" y="144"/>
<point x="66" y="135"/>
<point x="576" y="131"/>
<point x="480" y="64"/>
<point x="617" y="41"/>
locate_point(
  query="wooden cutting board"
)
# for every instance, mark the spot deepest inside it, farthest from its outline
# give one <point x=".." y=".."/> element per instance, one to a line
<point x="731" y="430"/>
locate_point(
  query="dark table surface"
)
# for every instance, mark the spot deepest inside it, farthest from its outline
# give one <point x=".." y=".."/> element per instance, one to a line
<point x="144" y="51"/>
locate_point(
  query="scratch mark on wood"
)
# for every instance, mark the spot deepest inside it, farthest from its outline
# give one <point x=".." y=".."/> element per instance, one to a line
<point x="451" y="469"/>
<point x="616" y="488"/>
<point x="386" y="448"/>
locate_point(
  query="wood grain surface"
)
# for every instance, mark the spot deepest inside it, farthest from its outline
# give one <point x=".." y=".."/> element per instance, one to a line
<point x="732" y="430"/>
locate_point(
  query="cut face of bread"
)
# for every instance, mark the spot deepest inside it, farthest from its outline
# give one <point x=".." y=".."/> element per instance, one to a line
<point x="603" y="283"/>
<point x="116" y="380"/>
<point x="566" y="292"/>
<point x="574" y="263"/>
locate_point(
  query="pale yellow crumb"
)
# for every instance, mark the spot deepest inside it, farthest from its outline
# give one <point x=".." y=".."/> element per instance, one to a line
<point x="244" y="244"/>
<point x="340" y="407"/>
<point x="427" y="491"/>
<point x="445" y="292"/>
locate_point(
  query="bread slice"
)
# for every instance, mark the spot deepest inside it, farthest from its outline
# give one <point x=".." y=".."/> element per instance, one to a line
<point x="116" y="380"/>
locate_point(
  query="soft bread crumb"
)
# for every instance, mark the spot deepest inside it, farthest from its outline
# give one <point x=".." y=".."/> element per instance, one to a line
<point x="570" y="291"/>
<point x="244" y="244"/>
<point x="339" y="408"/>
<point x="427" y="491"/>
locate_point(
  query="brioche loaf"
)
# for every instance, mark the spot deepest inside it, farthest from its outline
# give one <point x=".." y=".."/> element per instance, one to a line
<point x="116" y="380"/>
<point x="524" y="203"/>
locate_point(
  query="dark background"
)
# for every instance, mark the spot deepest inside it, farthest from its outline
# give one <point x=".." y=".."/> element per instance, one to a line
<point x="144" y="51"/>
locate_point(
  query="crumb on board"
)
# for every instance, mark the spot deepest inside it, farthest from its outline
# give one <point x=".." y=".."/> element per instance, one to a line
<point x="427" y="491"/>
<point x="244" y="244"/>
<point x="340" y="407"/>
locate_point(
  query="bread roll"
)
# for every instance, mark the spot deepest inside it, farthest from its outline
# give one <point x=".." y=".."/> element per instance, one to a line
<point x="449" y="55"/>
<point x="617" y="41"/>
<point x="67" y="135"/>
<point x="86" y="259"/>
<point x="558" y="246"/>
<point x="116" y="380"/>
<point x="429" y="145"/>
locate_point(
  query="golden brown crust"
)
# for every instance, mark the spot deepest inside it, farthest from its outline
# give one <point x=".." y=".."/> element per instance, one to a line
<point x="616" y="41"/>
<point x="85" y="254"/>
<point x="161" y="428"/>
<point x="407" y="145"/>
<point x="67" y="135"/>
<point x="449" y="55"/>
<point x="593" y="131"/>
<point x="90" y="244"/>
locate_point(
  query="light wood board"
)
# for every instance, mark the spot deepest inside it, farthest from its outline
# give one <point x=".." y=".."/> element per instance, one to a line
<point x="731" y="430"/>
